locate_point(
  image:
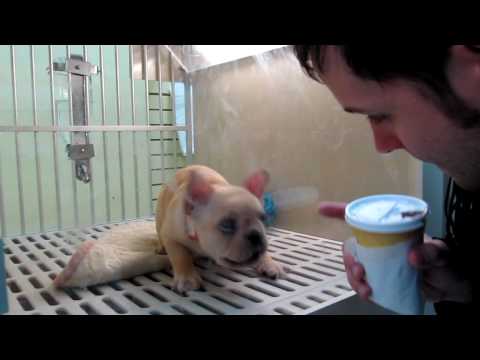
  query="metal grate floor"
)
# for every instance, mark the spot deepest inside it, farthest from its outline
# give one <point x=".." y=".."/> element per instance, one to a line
<point x="316" y="279"/>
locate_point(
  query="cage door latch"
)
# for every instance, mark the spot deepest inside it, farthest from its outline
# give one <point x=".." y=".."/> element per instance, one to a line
<point x="81" y="154"/>
<point x="80" y="150"/>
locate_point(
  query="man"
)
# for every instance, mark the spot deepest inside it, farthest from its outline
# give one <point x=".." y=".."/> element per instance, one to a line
<point x="424" y="99"/>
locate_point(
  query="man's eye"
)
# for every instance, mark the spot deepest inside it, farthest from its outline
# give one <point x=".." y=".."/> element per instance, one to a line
<point x="228" y="226"/>
<point x="376" y="119"/>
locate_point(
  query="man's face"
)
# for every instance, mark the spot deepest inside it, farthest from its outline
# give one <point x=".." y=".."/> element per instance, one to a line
<point x="402" y="118"/>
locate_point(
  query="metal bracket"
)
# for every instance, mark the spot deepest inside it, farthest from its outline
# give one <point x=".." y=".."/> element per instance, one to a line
<point x="76" y="65"/>
<point x="80" y="67"/>
<point x="81" y="154"/>
<point x="80" y="151"/>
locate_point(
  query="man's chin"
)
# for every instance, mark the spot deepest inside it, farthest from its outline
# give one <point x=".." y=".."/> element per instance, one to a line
<point x="471" y="186"/>
<point x="468" y="183"/>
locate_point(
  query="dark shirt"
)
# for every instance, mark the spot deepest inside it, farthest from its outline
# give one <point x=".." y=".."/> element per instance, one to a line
<point x="462" y="211"/>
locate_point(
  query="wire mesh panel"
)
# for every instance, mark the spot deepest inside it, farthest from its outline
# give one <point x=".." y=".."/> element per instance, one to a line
<point x="315" y="279"/>
<point x="53" y="98"/>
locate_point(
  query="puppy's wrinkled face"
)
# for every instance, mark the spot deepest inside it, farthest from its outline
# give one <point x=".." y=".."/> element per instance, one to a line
<point x="230" y="227"/>
<point x="229" y="220"/>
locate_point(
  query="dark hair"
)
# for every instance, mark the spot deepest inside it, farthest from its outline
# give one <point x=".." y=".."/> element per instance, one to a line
<point x="423" y="65"/>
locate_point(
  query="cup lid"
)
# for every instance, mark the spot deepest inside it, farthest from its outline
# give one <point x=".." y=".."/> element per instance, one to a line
<point x="386" y="213"/>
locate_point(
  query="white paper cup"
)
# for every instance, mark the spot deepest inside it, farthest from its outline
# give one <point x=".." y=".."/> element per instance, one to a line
<point x="385" y="227"/>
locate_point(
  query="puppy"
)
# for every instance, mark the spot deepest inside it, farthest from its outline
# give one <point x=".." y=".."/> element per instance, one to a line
<point x="201" y="214"/>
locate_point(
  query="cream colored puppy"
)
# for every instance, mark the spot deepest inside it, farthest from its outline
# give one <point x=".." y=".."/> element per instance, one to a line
<point x="201" y="214"/>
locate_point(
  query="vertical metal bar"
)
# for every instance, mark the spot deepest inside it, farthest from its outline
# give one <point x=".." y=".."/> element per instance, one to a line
<point x="87" y="122"/>
<point x="192" y="118"/>
<point x="105" y="160"/>
<point x="74" y="183"/>
<point x="147" y="100"/>
<point x="35" y="138"/>
<point x="188" y="119"/>
<point x="122" y="185"/>
<point x="55" y="140"/>
<point x="147" y="104"/>
<point x="134" y="135"/>
<point x="174" y="113"/>
<point x="160" y="108"/>
<point x="2" y="205"/>
<point x="15" y="115"/>
<point x="69" y="77"/>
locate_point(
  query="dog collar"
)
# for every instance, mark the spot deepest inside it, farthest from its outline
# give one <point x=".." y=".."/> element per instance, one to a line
<point x="193" y="237"/>
<point x="191" y="233"/>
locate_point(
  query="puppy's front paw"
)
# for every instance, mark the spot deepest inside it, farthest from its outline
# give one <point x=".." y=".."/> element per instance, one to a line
<point x="160" y="249"/>
<point x="270" y="268"/>
<point x="183" y="283"/>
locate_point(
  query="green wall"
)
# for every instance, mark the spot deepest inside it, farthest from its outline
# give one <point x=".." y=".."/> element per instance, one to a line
<point x="77" y="198"/>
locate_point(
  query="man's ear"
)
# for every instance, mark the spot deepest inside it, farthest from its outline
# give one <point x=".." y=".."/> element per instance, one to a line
<point x="257" y="182"/>
<point x="463" y="71"/>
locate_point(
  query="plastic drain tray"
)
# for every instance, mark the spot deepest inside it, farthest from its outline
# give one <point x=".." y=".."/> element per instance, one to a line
<point x="316" y="279"/>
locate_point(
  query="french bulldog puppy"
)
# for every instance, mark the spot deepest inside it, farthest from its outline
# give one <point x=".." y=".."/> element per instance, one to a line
<point x="201" y="214"/>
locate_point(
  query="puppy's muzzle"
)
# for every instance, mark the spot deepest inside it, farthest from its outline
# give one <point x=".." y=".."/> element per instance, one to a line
<point x="257" y="241"/>
<point x="258" y="245"/>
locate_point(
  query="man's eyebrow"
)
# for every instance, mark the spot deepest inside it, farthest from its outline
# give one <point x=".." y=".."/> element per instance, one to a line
<point x="354" y="110"/>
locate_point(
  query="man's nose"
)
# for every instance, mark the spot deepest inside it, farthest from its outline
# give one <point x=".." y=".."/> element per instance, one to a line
<point x="385" y="139"/>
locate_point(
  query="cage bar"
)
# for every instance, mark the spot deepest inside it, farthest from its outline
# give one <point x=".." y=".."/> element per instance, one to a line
<point x="87" y="114"/>
<point x="102" y="90"/>
<point x="17" y="149"/>
<point x="55" y="139"/>
<point x="35" y="139"/>
<point x="117" y="81"/>
<point x="134" y="137"/>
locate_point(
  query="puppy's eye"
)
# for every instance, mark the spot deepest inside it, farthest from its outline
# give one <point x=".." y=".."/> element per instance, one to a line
<point x="228" y="226"/>
<point x="263" y="218"/>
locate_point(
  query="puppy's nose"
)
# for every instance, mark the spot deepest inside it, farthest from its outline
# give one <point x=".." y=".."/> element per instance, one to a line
<point x="255" y="238"/>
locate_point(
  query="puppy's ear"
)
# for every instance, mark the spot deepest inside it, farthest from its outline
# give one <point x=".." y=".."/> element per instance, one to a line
<point x="257" y="182"/>
<point x="199" y="189"/>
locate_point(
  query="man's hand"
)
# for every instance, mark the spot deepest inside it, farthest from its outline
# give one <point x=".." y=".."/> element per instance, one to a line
<point x="439" y="280"/>
<point x="355" y="271"/>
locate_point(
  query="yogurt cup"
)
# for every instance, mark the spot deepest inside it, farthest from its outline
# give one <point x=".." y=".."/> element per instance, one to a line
<point x="385" y="227"/>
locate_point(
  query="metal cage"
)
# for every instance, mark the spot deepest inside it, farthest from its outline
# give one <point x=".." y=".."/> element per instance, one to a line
<point x="88" y="134"/>
<point x="92" y="115"/>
